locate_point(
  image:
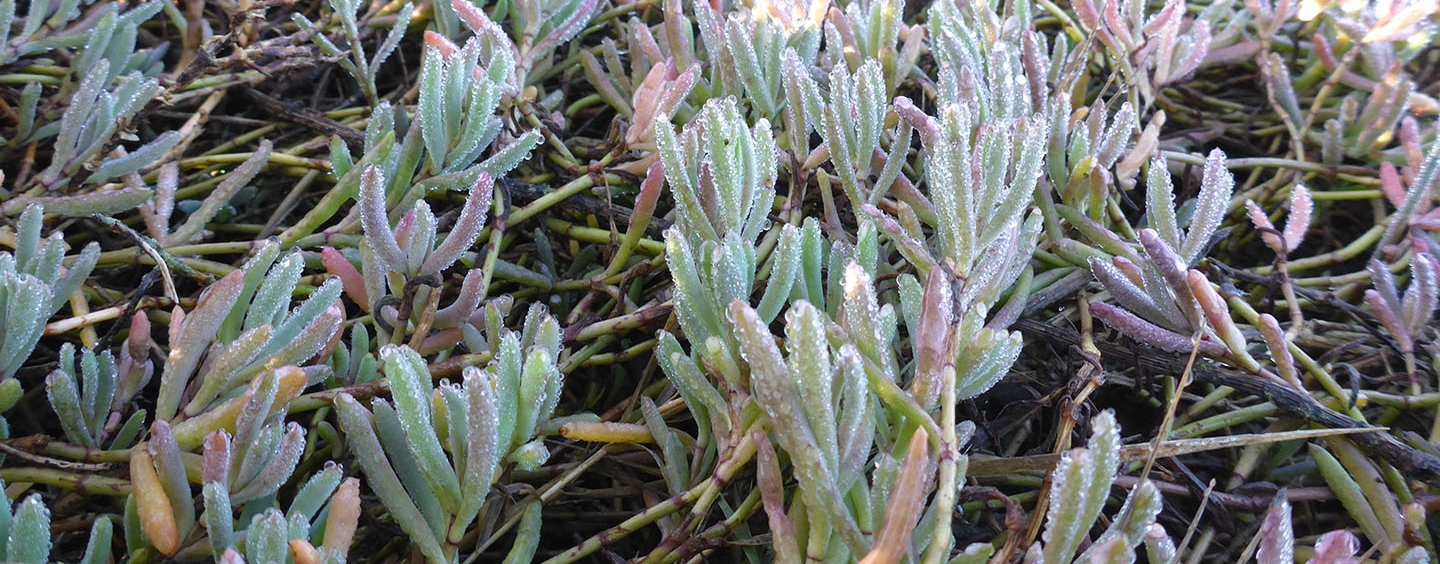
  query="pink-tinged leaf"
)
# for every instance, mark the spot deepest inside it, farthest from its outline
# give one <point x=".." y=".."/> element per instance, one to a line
<point x="1390" y="184"/>
<point x="376" y="223"/>
<point x="906" y="504"/>
<point x="646" y="101"/>
<point x="302" y="552"/>
<point x="1279" y="348"/>
<point x="473" y="17"/>
<point x="215" y="465"/>
<point x="645" y="202"/>
<point x="1336" y="547"/>
<point x="1410" y="143"/>
<point x="1268" y="233"/>
<point x="1116" y="26"/>
<point x="177" y="318"/>
<point x="1277" y="539"/>
<point x="467" y="228"/>
<point x="406" y="224"/>
<point x="1302" y="206"/>
<point x="1388" y="317"/>
<point x="1218" y="313"/>
<point x="932" y="340"/>
<point x="1324" y="51"/>
<point x="137" y="343"/>
<point x="927" y="126"/>
<point x="1199" y="47"/>
<point x="772" y="493"/>
<point x="344" y="516"/>
<point x="1131" y="270"/>
<point x="1149" y="333"/>
<point x="1087" y="14"/>
<point x="354" y="283"/>
<point x="1166" y="16"/>
<point x="442" y="43"/>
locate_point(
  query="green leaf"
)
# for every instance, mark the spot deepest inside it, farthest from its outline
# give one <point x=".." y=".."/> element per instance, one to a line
<point x="410" y="381"/>
<point x="29" y="533"/>
<point x="97" y="550"/>
<point x="219" y="519"/>
<point x="360" y="433"/>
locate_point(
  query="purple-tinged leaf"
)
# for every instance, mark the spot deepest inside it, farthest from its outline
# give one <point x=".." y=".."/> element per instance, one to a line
<point x="472" y="292"/>
<point x="1173" y="269"/>
<point x="1389" y="318"/>
<point x="1150" y="334"/>
<point x="927" y="126"/>
<point x="467" y="227"/>
<point x="1420" y="298"/>
<point x="933" y="338"/>
<point x="376" y="223"/>
<point x="1125" y="291"/>
<point x="1384" y="283"/>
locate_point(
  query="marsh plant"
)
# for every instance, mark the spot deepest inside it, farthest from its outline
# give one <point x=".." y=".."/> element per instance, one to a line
<point x="792" y="281"/>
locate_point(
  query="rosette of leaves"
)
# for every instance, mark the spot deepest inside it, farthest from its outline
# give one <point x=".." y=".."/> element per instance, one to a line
<point x="721" y="171"/>
<point x="352" y="58"/>
<point x="1080" y="486"/>
<point x="746" y="47"/>
<point x="1165" y="302"/>
<point x="432" y="456"/>
<point x="459" y="93"/>
<point x="403" y="263"/>
<point x="852" y="125"/>
<point x="91" y="120"/>
<point x="1082" y="159"/>
<point x="320" y="522"/>
<point x="242" y="326"/>
<point x="34" y="285"/>
<point x="105" y="34"/>
<point x="980" y="193"/>
<point x="1153" y="51"/>
<point x="242" y="473"/>
<point x="91" y="401"/>
<point x="874" y="30"/>
<point x="537" y="28"/>
<point x="25" y="533"/>
<point x="830" y="397"/>
<point x="653" y="86"/>
<point x="1406" y="316"/>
